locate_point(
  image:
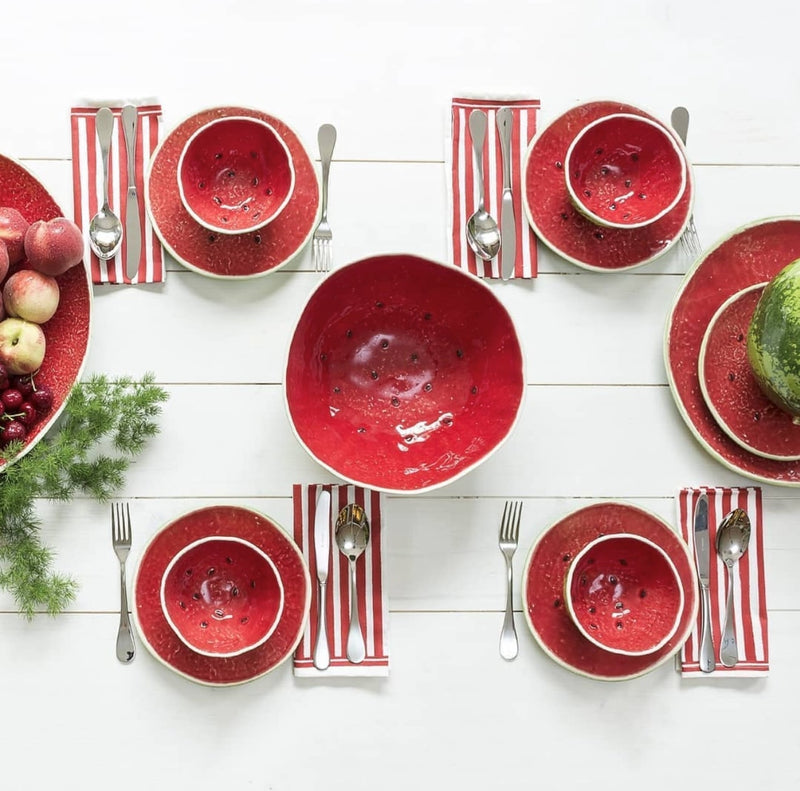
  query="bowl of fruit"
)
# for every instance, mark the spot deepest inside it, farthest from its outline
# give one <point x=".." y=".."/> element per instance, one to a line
<point x="403" y="374"/>
<point x="45" y="310"/>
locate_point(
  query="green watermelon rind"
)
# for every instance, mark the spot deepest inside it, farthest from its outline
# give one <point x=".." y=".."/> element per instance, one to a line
<point x="773" y="340"/>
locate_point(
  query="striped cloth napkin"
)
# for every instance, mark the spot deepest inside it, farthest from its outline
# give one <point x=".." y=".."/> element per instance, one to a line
<point x="463" y="190"/>
<point x="87" y="179"/>
<point x="372" y="597"/>
<point x="750" y="605"/>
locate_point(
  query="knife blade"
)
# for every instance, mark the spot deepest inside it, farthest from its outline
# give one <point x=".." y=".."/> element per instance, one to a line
<point x="322" y="548"/>
<point x="133" y="230"/>
<point x="702" y="552"/>
<point x="508" y="228"/>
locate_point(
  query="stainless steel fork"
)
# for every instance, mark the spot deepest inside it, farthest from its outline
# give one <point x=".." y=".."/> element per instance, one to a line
<point x="690" y="241"/>
<point x="121" y="539"/>
<point x="322" y="241"/>
<point x="509" y="538"/>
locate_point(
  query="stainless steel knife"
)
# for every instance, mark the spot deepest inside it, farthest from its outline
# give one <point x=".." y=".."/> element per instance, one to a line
<point x="322" y="548"/>
<point x="702" y="552"/>
<point x="133" y="230"/>
<point x="508" y="228"/>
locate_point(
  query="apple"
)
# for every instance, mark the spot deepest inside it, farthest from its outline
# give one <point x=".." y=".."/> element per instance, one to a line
<point x="4" y="260"/>
<point x="22" y="346"/>
<point x="13" y="227"/>
<point x="53" y="246"/>
<point x="31" y="295"/>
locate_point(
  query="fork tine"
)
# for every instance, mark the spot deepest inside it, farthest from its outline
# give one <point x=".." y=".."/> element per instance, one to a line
<point x="504" y="521"/>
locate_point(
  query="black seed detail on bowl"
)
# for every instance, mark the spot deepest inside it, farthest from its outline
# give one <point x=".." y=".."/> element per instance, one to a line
<point x="459" y="354"/>
<point x="217" y="200"/>
<point x="218" y="155"/>
<point x="252" y="583"/>
<point x="362" y="430"/>
<point x="196" y="596"/>
<point x="231" y="174"/>
<point x="323" y="356"/>
<point x="447" y="421"/>
<point x="234" y="591"/>
<point x="257" y="238"/>
<point x="740" y="337"/>
<point x="564" y="215"/>
<point x="224" y="219"/>
<point x="590" y="560"/>
<point x="593" y="626"/>
<point x="254" y="154"/>
<point x="642" y="594"/>
<point x="613" y="207"/>
<point x="474" y="390"/>
<point x="202" y="185"/>
<point x="623" y="562"/>
<point x="245" y="207"/>
<point x="598" y="151"/>
<point x="374" y="374"/>
<point x="256" y="215"/>
<point x="618" y="605"/>
<point x="349" y="333"/>
<point x="756" y="416"/>
<point x="203" y="624"/>
<point x="642" y="195"/>
<point x="189" y="572"/>
<point x="560" y="165"/>
<point x="731" y="376"/>
<point x="395" y="401"/>
<point x="627" y="182"/>
<point x="598" y="234"/>
<point x="635" y="157"/>
<point x="212" y="238"/>
<point x="627" y="215"/>
<point x="612" y="579"/>
<point x="592" y="610"/>
<point x="583" y="579"/>
<point x="384" y="344"/>
<point x="408" y="438"/>
<point x="566" y="558"/>
<point x="414" y="357"/>
<point x="587" y="193"/>
<point x="182" y="605"/>
<point x="269" y="190"/>
<point x="557" y="603"/>
<point x="254" y="181"/>
<point x="604" y="170"/>
<point x="379" y="304"/>
<point x="337" y="389"/>
<point x="211" y="571"/>
<point x="229" y="560"/>
<point x="428" y="387"/>
<point x="244" y="619"/>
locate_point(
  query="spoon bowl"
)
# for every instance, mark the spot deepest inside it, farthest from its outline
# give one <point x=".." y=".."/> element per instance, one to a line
<point x="483" y="235"/>
<point x="105" y="228"/>
<point x="352" y="537"/>
<point x="733" y="536"/>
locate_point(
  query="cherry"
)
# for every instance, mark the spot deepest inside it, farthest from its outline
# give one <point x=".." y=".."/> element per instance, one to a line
<point x="27" y="414"/>
<point x="23" y="383"/>
<point x="12" y="399"/>
<point x="12" y="431"/>
<point x="42" y="399"/>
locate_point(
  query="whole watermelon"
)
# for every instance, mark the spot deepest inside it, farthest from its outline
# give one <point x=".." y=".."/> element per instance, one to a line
<point x="773" y="340"/>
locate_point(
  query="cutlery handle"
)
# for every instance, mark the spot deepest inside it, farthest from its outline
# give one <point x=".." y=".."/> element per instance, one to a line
<point x="504" y="128"/>
<point x="706" y="645"/>
<point x="322" y="654"/>
<point x="104" y="124"/>
<point x="126" y="649"/>
<point x="477" y="129"/>
<point x="129" y="120"/>
<point x="356" y="650"/>
<point x="680" y="122"/>
<point x="509" y="645"/>
<point x="326" y="139"/>
<point x="728" y="650"/>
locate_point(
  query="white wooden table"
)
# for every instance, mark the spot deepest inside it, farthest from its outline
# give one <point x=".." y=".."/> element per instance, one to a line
<point x="599" y="421"/>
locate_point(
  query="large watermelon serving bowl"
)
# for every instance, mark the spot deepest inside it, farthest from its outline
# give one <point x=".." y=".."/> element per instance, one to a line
<point x="403" y="374"/>
<point x="67" y="332"/>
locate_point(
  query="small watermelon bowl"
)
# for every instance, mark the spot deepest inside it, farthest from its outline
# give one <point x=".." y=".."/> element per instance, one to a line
<point x="625" y="171"/>
<point x="624" y="594"/>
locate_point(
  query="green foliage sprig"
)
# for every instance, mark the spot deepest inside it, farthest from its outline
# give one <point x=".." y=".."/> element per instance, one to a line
<point x="104" y="425"/>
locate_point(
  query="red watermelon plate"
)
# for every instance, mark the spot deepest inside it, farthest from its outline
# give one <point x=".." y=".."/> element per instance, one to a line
<point x="67" y="332"/>
<point x="545" y="573"/>
<point x="563" y="228"/>
<point x="730" y="390"/>
<point x="751" y="255"/>
<point x="230" y="521"/>
<point x="219" y="255"/>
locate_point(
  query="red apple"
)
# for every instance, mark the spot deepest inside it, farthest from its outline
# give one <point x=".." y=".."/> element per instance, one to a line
<point x="31" y="295"/>
<point x="53" y="246"/>
<point x="22" y="346"/>
<point x="13" y="227"/>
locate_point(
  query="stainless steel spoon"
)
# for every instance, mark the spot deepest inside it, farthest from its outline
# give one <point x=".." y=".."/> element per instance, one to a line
<point x="483" y="234"/>
<point x="733" y="537"/>
<point x="352" y="537"/>
<point x="105" y="228"/>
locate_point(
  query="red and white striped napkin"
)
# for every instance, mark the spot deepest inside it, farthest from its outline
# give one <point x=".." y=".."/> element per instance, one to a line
<point x="372" y="599"/>
<point x="463" y="189"/>
<point x="87" y="179"/>
<point x="750" y="605"/>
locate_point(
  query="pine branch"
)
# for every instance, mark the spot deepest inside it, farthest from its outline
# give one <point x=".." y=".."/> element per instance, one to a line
<point x="120" y="413"/>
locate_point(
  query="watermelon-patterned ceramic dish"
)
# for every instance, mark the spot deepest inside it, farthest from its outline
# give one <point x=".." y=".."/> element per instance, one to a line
<point x="67" y="332"/>
<point x="230" y="521"/>
<point x="222" y="595"/>
<point x="751" y="255"/>
<point x="625" y="171"/>
<point x="568" y="232"/>
<point x="543" y="580"/>
<point x="234" y="256"/>
<point x="403" y="374"/>
<point x="235" y="174"/>
<point x="624" y="594"/>
<point x="731" y="391"/>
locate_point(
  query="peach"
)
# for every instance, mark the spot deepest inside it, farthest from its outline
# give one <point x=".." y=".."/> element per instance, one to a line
<point x="13" y="227"/>
<point x="22" y="346"/>
<point x="31" y="295"/>
<point x="53" y="246"/>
